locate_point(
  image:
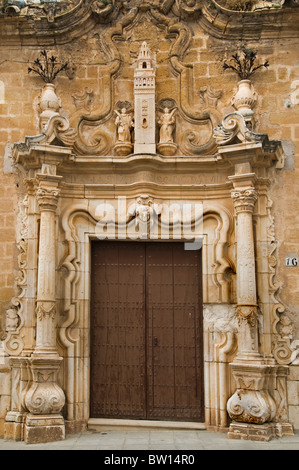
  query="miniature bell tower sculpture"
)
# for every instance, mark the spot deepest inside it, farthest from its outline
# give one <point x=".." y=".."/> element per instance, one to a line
<point x="144" y="95"/>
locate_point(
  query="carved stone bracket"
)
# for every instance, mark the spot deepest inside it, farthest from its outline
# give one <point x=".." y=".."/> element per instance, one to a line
<point x="252" y="407"/>
<point x="258" y="406"/>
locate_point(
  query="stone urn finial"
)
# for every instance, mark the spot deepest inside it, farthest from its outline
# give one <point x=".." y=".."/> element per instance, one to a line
<point x="49" y="105"/>
<point x="244" y="64"/>
<point x="245" y="99"/>
<point x="47" y="68"/>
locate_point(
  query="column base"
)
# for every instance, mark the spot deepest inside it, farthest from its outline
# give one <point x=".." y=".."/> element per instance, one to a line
<point x="45" y="428"/>
<point x="253" y="432"/>
<point x="14" y="426"/>
<point x="259" y="432"/>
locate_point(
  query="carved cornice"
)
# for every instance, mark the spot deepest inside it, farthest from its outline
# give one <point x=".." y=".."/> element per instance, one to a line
<point x="249" y="25"/>
<point x="33" y="29"/>
<point x="33" y="156"/>
<point x="34" y="25"/>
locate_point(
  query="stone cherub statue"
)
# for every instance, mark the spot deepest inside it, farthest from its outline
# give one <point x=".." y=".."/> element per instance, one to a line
<point x="167" y="124"/>
<point x="12" y="319"/>
<point x="124" y="124"/>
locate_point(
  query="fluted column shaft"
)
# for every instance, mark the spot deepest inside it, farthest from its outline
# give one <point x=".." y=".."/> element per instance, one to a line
<point x="47" y="197"/>
<point x="244" y="201"/>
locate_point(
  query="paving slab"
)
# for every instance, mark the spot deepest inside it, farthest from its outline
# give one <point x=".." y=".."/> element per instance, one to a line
<point x="155" y="440"/>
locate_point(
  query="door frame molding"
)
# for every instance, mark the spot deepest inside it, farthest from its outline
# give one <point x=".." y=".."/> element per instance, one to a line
<point x="78" y="223"/>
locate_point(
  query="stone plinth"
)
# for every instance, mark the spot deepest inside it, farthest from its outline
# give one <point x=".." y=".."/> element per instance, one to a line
<point x="45" y="428"/>
<point x="252" y="432"/>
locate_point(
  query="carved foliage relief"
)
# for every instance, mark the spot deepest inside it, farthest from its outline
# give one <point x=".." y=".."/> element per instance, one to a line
<point x="14" y="315"/>
<point x="169" y="41"/>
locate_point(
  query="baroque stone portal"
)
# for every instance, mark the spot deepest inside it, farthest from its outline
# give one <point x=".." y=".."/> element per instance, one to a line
<point x="142" y="148"/>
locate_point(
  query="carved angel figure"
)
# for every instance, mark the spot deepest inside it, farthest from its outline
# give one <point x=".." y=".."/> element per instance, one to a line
<point x="124" y="124"/>
<point x="167" y="124"/>
<point x="12" y="319"/>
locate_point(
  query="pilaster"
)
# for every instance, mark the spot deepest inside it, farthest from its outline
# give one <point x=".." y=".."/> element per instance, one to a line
<point x="47" y="197"/>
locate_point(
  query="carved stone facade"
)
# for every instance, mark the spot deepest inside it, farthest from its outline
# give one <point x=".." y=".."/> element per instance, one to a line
<point x="144" y="137"/>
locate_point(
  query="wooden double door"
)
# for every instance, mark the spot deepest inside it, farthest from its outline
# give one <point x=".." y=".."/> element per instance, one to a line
<point x="146" y="331"/>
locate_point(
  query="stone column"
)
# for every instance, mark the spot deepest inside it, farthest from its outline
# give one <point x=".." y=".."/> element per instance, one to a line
<point x="244" y="201"/>
<point x="45" y="399"/>
<point x="47" y="197"/>
<point x="251" y="407"/>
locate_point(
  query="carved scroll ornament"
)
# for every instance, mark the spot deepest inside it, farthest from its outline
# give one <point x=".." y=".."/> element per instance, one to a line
<point x="233" y="129"/>
<point x="92" y="136"/>
<point x="44" y="396"/>
<point x="251" y="406"/>
<point x="58" y="128"/>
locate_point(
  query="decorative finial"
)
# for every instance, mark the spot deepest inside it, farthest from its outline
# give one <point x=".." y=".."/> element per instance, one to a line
<point x="243" y="63"/>
<point x="47" y="68"/>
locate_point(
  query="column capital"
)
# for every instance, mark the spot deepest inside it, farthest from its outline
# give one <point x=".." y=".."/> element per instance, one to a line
<point x="47" y="198"/>
<point x="244" y="199"/>
<point x="47" y="193"/>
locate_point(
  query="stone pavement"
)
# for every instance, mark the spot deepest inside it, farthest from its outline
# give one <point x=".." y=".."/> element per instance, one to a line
<point x="158" y="440"/>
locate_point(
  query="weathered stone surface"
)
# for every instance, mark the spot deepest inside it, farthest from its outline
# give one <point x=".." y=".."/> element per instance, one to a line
<point x="44" y="429"/>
